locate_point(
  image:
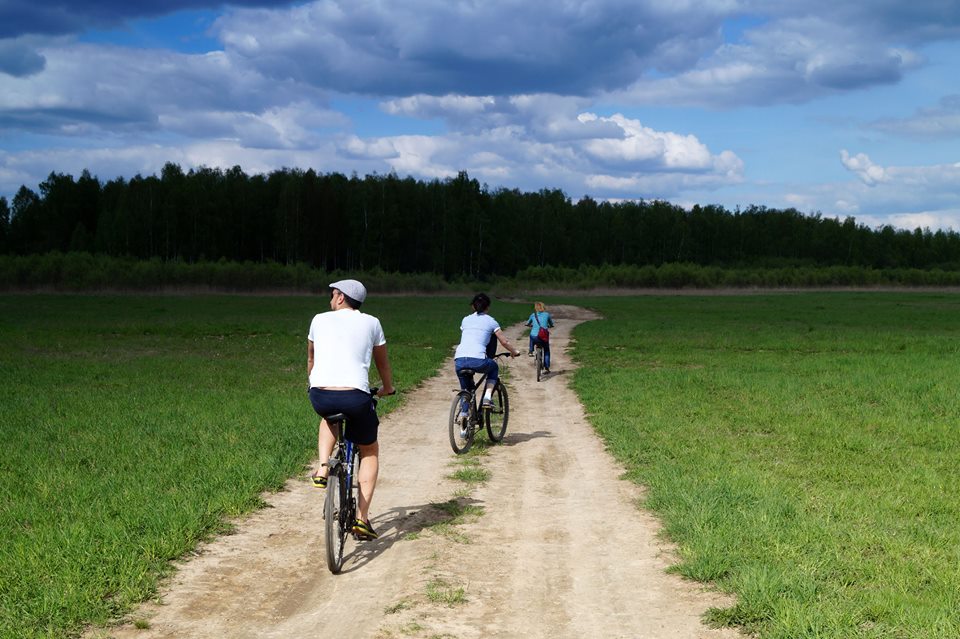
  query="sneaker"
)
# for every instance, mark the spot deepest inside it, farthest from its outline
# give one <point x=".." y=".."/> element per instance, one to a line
<point x="364" y="530"/>
<point x="530" y="354"/>
<point x="486" y="404"/>
<point x="319" y="482"/>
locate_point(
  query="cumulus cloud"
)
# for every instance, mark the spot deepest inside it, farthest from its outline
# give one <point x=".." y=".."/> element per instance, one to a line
<point x="861" y="166"/>
<point x="652" y="51"/>
<point x="615" y="155"/>
<point x="89" y="89"/>
<point x="783" y="61"/>
<point x="500" y="47"/>
<point x="547" y="117"/>
<point x="607" y="156"/>
<point x="642" y="146"/>
<point x="604" y="156"/>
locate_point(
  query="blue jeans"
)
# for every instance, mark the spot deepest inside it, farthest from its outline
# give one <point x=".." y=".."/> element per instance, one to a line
<point x="534" y="340"/>
<point x="483" y="365"/>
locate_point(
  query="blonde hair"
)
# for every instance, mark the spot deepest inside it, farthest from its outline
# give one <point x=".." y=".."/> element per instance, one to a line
<point x="539" y="307"/>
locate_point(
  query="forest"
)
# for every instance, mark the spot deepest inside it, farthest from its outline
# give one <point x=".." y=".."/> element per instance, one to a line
<point x="455" y="228"/>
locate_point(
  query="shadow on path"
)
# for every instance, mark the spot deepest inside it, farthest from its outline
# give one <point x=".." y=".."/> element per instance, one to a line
<point x="401" y="522"/>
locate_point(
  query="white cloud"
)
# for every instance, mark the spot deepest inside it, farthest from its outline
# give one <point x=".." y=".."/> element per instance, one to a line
<point x="428" y="106"/>
<point x="527" y="141"/>
<point x="382" y="149"/>
<point x="861" y="165"/>
<point x="904" y="196"/>
<point x="936" y="178"/>
<point x="642" y="145"/>
<point x="947" y="219"/>
<point x="87" y="88"/>
<point x="791" y="60"/>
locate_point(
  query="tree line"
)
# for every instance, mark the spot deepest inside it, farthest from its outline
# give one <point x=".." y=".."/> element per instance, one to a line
<point x="455" y="227"/>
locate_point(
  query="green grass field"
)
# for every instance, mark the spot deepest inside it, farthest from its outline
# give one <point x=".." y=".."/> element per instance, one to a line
<point x="803" y="450"/>
<point x="134" y="425"/>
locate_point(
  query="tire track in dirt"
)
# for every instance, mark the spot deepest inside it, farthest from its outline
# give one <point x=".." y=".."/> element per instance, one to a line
<point x="543" y="559"/>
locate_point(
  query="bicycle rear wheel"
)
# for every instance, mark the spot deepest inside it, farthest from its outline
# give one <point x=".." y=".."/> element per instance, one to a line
<point x="496" y="418"/>
<point x="539" y="360"/>
<point x="335" y="518"/>
<point x="460" y="426"/>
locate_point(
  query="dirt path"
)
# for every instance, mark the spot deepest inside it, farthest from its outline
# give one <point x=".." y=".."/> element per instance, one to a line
<point x="535" y="559"/>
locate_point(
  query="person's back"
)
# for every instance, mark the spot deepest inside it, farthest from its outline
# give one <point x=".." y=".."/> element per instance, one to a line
<point x="343" y="345"/>
<point x="475" y="333"/>
<point x="540" y="320"/>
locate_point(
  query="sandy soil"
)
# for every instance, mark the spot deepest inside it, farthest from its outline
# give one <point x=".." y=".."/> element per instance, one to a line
<point x="559" y="547"/>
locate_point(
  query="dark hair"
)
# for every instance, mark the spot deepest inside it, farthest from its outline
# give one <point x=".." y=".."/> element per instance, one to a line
<point x="352" y="303"/>
<point x="480" y="302"/>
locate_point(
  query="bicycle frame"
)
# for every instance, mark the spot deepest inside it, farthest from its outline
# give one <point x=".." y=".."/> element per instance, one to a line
<point x="349" y="450"/>
<point x="340" y="501"/>
<point x="345" y="460"/>
<point x="538" y="358"/>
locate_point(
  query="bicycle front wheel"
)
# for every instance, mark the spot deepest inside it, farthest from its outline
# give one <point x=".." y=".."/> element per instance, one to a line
<point x="461" y="430"/>
<point x="496" y="417"/>
<point x="334" y="519"/>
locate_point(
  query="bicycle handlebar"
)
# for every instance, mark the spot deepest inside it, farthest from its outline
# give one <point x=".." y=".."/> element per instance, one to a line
<point x="376" y="389"/>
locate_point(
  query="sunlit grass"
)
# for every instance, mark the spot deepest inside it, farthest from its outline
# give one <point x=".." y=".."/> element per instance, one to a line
<point x="443" y="592"/>
<point x="801" y="449"/>
<point x="470" y="470"/>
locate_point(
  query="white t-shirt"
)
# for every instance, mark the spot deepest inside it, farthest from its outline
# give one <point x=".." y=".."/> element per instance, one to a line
<point x="343" y="342"/>
<point x="475" y="332"/>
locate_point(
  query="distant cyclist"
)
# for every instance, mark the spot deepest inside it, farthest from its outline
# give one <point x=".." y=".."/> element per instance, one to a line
<point x="339" y="346"/>
<point x="476" y="333"/>
<point x="540" y="319"/>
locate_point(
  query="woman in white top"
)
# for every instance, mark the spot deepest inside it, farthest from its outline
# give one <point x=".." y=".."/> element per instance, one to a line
<point x="475" y="334"/>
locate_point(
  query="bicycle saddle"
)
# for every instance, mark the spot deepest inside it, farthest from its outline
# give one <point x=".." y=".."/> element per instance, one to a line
<point x="463" y="372"/>
<point x="335" y="417"/>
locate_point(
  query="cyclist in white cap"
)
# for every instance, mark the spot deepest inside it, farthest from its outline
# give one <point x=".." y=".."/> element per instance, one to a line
<point x="339" y="347"/>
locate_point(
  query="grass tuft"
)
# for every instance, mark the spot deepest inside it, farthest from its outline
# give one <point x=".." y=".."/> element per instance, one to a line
<point x="471" y="472"/>
<point x="403" y="604"/>
<point x="442" y="592"/>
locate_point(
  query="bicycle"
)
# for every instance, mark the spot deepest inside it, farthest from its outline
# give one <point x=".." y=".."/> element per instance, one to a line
<point x="464" y="425"/>
<point x="538" y="359"/>
<point x="340" y="502"/>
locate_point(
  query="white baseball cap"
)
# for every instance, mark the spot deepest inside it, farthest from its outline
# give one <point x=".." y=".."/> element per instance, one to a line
<point x="351" y="288"/>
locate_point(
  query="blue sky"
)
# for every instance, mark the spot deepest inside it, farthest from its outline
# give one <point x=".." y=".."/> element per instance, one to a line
<point x="831" y="107"/>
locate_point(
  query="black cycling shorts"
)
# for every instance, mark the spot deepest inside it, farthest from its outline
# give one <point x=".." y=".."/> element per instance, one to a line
<point x="362" y="421"/>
